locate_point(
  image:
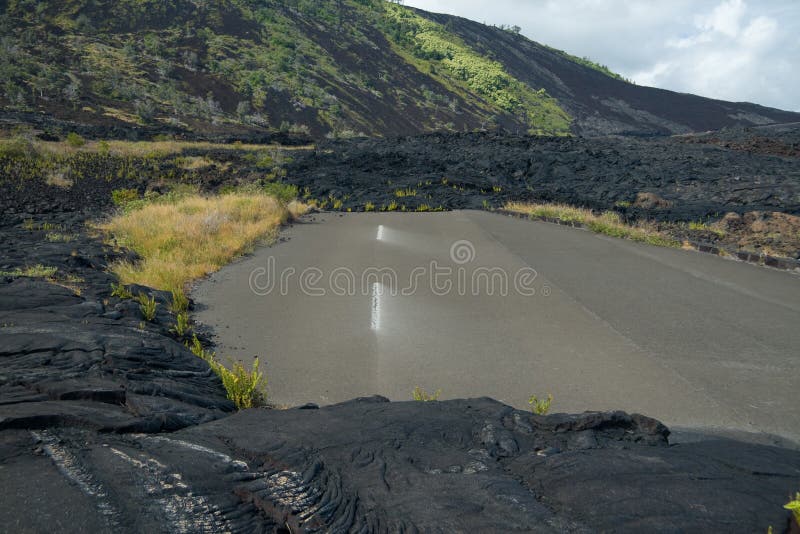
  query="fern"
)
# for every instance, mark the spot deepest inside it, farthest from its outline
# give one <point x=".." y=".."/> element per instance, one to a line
<point x="148" y="306"/>
<point x="181" y="324"/>
<point x="540" y="406"/>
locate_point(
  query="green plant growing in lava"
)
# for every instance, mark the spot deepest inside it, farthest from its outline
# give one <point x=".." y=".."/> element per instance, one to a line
<point x="794" y="507"/>
<point x="180" y="302"/>
<point x="540" y="406"/>
<point x="421" y="395"/>
<point x="148" y="306"/>
<point x="181" y="324"/>
<point x="120" y="291"/>
<point x="245" y="388"/>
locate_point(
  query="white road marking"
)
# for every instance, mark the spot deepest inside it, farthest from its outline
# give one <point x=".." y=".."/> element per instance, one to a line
<point x="375" y="319"/>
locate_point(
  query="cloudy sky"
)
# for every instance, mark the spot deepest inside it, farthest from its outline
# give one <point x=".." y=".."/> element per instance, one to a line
<point x="739" y="50"/>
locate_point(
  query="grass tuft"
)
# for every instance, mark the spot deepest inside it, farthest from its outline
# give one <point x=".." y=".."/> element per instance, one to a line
<point x="608" y="223"/>
<point x="423" y="396"/>
<point x="180" y="302"/>
<point x="58" y="237"/>
<point x="408" y="192"/>
<point x="35" y="271"/>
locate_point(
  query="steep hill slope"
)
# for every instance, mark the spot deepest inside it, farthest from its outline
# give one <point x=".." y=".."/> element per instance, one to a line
<point x="330" y="67"/>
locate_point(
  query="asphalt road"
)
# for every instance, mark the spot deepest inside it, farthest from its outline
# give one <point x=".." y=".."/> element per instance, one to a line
<point x="694" y="340"/>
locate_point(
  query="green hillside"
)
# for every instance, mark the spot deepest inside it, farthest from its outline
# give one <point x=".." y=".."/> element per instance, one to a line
<point x="330" y="67"/>
<point x="335" y="68"/>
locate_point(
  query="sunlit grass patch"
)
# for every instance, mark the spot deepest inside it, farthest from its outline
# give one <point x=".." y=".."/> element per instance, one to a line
<point x="698" y="226"/>
<point x="193" y="236"/>
<point x="607" y="223"/>
<point x="58" y="237"/>
<point x="33" y="271"/>
<point x="420" y="395"/>
<point x="19" y="147"/>
<point x="194" y="163"/>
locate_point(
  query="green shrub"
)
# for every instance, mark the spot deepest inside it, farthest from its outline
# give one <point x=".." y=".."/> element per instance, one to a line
<point x="540" y="406"/>
<point x="74" y="140"/>
<point x="422" y="396"/>
<point x="148" y="306"/>
<point x="120" y="291"/>
<point x="123" y="197"/>
<point x="283" y="192"/>
<point x="18" y="147"/>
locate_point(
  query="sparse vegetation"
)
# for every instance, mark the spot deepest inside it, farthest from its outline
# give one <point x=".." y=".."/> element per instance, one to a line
<point x="57" y="237"/>
<point x="148" y="306"/>
<point x="17" y="147"/>
<point x="180" y="302"/>
<point x="123" y="197"/>
<point x="607" y="222"/>
<point x="35" y="271"/>
<point x="181" y="327"/>
<point x="140" y="69"/>
<point x="794" y="507"/>
<point x="75" y="141"/>
<point x="697" y="226"/>
<point x="33" y="226"/>
<point x="247" y="389"/>
<point x="120" y="291"/>
<point x="540" y="406"/>
<point x="408" y="192"/>
<point x="421" y="395"/>
<point x="196" y="346"/>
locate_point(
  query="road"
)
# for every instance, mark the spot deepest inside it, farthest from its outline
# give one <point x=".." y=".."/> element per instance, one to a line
<point x="694" y="340"/>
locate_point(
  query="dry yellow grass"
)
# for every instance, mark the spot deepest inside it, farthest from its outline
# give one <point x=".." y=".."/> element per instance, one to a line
<point x="166" y="148"/>
<point x="193" y="237"/>
<point x="608" y="222"/>
<point x="148" y="148"/>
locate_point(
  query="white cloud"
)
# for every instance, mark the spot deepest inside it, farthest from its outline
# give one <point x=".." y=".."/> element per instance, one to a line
<point x="740" y="50"/>
<point x="725" y="18"/>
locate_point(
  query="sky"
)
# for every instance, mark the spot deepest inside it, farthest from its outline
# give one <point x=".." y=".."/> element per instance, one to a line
<point x="738" y="50"/>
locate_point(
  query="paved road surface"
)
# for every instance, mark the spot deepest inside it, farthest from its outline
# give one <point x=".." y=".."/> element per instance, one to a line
<point x="692" y="339"/>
